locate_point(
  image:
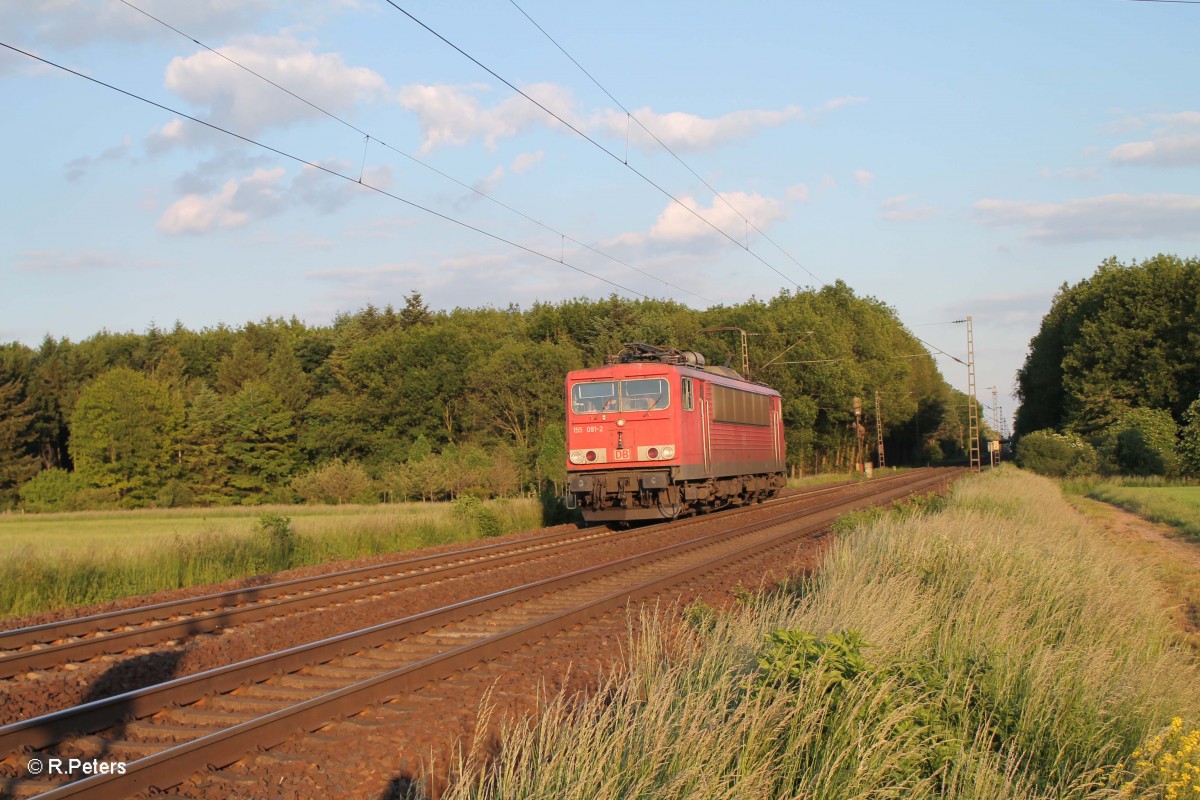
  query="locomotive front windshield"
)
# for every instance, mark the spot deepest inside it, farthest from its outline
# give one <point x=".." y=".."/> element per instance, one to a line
<point x="590" y="398"/>
<point x="642" y="394"/>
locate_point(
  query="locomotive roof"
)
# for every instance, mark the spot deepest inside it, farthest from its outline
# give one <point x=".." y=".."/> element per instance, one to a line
<point x="719" y="375"/>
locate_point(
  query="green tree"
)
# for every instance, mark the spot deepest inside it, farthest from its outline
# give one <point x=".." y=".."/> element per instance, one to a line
<point x="242" y="365"/>
<point x="336" y="482"/>
<point x="260" y="441"/>
<point x="1189" y="440"/>
<point x="415" y="311"/>
<point x="123" y="431"/>
<point x="1128" y="337"/>
<point x="16" y="436"/>
<point x="202" y="464"/>
<point x="519" y="389"/>
<point x="552" y="457"/>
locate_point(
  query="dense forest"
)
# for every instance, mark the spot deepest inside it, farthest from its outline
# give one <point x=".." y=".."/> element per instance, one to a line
<point x="1112" y="379"/>
<point x="387" y="404"/>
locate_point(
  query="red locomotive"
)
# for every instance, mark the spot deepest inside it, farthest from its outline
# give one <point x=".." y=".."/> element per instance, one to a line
<point x="656" y="434"/>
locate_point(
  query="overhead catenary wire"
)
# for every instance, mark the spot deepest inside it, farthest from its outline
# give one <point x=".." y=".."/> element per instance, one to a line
<point x="940" y="350"/>
<point x="594" y="143"/>
<point x="631" y="116"/>
<point x="369" y="137"/>
<point x="322" y="168"/>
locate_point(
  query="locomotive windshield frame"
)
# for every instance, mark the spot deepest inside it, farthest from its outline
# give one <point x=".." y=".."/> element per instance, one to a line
<point x="635" y="394"/>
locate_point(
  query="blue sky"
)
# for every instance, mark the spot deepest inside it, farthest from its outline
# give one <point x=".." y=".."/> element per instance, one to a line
<point x="945" y="158"/>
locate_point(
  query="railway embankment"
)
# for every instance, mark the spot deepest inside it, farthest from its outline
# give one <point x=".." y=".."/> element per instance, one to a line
<point x="1000" y="647"/>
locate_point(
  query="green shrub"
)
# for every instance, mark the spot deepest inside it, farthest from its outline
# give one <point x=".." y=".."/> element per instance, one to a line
<point x="484" y="521"/>
<point x="1058" y="454"/>
<point x="51" y="490"/>
<point x="275" y="531"/>
<point x="174" y="494"/>
<point x="791" y="656"/>
<point x="1189" y="440"/>
<point x="1140" y="442"/>
<point x="336" y="482"/>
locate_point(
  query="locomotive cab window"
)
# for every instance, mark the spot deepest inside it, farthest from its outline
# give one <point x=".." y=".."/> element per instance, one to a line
<point x="688" y="398"/>
<point x="594" y="398"/>
<point x="645" y="394"/>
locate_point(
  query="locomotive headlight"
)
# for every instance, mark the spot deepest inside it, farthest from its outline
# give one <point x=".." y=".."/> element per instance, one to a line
<point x="577" y="457"/>
<point x="668" y="452"/>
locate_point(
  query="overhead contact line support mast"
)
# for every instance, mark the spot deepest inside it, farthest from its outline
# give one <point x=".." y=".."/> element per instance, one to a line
<point x="656" y="434"/>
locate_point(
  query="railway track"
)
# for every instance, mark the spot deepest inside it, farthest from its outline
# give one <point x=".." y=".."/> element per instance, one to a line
<point x="51" y="645"/>
<point x="165" y="732"/>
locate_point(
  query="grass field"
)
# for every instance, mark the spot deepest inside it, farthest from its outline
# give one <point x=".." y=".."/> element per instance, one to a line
<point x="1177" y="506"/>
<point x="1000" y="648"/>
<point x="836" y="477"/>
<point x="50" y="561"/>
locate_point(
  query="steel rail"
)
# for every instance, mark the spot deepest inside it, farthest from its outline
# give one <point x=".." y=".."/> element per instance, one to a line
<point x="46" y="730"/>
<point x="169" y="767"/>
<point x="239" y="606"/>
<point x="141" y="702"/>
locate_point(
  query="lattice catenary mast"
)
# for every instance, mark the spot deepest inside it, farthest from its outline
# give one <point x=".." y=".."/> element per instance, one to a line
<point x="879" y="429"/>
<point x="973" y="408"/>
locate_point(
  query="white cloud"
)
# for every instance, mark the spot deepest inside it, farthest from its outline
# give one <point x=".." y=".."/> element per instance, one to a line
<point x="265" y="193"/>
<point x="690" y="132"/>
<point x="903" y="208"/>
<point x="521" y="164"/>
<point x="467" y="280"/>
<point x="1174" y="150"/>
<point x="842" y="102"/>
<point x="1022" y="309"/>
<point x="78" y="167"/>
<point x="71" y="24"/>
<point x="798" y="193"/>
<point x="1174" y="142"/>
<point x="863" y="177"/>
<point x="327" y="193"/>
<point x="1111" y="216"/>
<point x="1073" y="173"/>
<point x="454" y="115"/>
<point x="488" y="185"/>
<point x="247" y="105"/>
<point x="681" y="221"/>
<point x="525" y="162"/>
<point x="78" y="261"/>
<point x="235" y="205"/>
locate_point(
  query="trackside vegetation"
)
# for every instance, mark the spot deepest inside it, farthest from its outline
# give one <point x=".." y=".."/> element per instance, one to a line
<point x="998" y="648"/>
<point x="392" y="404"/>
<point x="1111" y="384"/>
<point x="47" y="563"/>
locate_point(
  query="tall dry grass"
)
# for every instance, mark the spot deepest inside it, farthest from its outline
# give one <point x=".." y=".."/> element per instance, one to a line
<point x="94" y="558"/>
<point x="1012" y="654"/>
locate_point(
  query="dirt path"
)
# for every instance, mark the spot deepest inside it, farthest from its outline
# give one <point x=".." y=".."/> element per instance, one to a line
<point x="1175" y="561"/>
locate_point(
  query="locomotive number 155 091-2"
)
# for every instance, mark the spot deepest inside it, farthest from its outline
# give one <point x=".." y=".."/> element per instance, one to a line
<point x="587" y="429"/>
